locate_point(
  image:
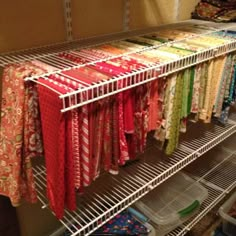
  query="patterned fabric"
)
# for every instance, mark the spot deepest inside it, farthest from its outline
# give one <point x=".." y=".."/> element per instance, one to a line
<point x="196" y="89"/>
<point x="207" y="10"/>
<point x="216" y="10"/>
<point x="175" y="119"/>
<point x="20" y="133"/>
<point x="122" y="224"/>
<point x="57" y="138"/>
<point x="153" y="106"/>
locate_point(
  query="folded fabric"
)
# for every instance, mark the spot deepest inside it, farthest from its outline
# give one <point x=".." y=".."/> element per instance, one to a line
<point x="215" y="10"/>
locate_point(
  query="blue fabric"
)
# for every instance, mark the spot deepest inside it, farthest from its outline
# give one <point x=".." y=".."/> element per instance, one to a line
<point x="122" y="224"/>
<point x="219" y="232"/>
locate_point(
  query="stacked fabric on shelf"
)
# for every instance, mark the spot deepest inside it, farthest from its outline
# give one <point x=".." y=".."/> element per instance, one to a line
<point x="215" y="10"/>
<point x="102" y="136"/>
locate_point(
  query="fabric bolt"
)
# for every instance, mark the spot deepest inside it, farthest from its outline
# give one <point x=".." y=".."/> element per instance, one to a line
<point x="111" y="49"/>
<point x="20" y="133"/>
<point x="208" y="103"/>
<point x="185" y="93"/>
<point x="142" y="95"/>
<point x="232" y="86"/>
<point x="115" y="137"/>
<point x="185" y="99"/>
<point x="98" y="143"/>
<point x="221" y="89"/>
<point x="81" y="136"/>
<point x="203" y="89"/>
<point x="196" y="89"/>
<point x="153" y="106"/>
<point x="53" y="124"/>
<point x="228" y="100"/>
<point x="114" y="70"/>
<point x="58" y="149"/>
<point x="219" y="66"/>
<point x="85" y="149"/>
<point x="160" y="131"/>
<point x="33" y="143"/>
<point x="229" y="80"/>
<point x="150" y="42"/>
<point x="75" y="129"/>
<point x="175" y="119"/>
<point x="190" y="93"/>
<point x="107" y="136"/>
<point x="169" y="103"/>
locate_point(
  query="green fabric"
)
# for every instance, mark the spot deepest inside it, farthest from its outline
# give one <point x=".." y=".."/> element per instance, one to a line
<point x="185" y="93"/>
<point x="175" y="119"/>
<point x="161" y="40"/>
<point x="203" y="84"/>
<point x="138" y="42"/>
<point x="190" y="94"/>
<point x="185" y="49"/>
<point x="173" y="50"/>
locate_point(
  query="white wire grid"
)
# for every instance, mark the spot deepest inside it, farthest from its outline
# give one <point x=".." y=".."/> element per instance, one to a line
<point x="109" y="195"/>
<point x="219" y="178"/>
<point x="103" y="89"/>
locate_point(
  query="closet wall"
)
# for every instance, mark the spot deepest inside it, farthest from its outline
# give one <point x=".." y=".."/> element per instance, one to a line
<point x="30" y="23"/>
<point x="34" y="23"/>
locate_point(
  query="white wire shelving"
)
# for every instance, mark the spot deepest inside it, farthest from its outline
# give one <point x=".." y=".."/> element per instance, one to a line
<point x="219" y="177"/>
<point x="109" y="195"/>
<point x="103" y="89"/>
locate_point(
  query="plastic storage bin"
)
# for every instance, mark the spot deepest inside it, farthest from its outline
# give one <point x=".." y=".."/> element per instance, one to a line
<point x="228" y="222"/>
<point x="173" y="202"/>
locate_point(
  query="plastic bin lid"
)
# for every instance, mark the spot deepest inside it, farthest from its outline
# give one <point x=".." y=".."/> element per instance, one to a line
<point x="177" y="198"/>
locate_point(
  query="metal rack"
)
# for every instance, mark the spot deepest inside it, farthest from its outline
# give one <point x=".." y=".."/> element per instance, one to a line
<point x="109" y="195"/>
<point x="92" y="93"/>
<point x="219" y="177"/>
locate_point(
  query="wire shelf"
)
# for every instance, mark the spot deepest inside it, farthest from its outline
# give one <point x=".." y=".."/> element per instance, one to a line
<point x="219" y="178"/>
<point x="103" y="89"/>
<point x="109" y="195"/>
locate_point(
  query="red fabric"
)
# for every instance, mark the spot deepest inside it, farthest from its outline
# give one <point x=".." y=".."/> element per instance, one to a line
<point x="19" y="133"/>
<point x="75" y="129"/>
<point x="153" y="106"/>
<point x="53" y="124"/>
<point x="58" y="149"/>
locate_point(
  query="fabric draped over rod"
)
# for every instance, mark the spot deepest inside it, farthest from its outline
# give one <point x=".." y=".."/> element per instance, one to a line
<point x="102" y="136"/>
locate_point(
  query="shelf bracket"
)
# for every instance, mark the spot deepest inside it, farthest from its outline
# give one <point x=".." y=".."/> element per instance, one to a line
<point x="126" y="15"/>
<point x="68" y="20"/>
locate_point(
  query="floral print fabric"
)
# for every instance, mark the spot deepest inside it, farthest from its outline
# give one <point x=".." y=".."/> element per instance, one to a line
<point x="20" y="133"/>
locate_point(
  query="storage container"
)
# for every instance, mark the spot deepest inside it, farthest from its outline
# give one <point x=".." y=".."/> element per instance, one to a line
<point x="226" y="213"/>
<point x="173" y="202"/>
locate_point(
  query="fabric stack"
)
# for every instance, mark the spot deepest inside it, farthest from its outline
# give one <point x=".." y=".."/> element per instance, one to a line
<point x="102" y="136"/>
<point x="215" y="10"/>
